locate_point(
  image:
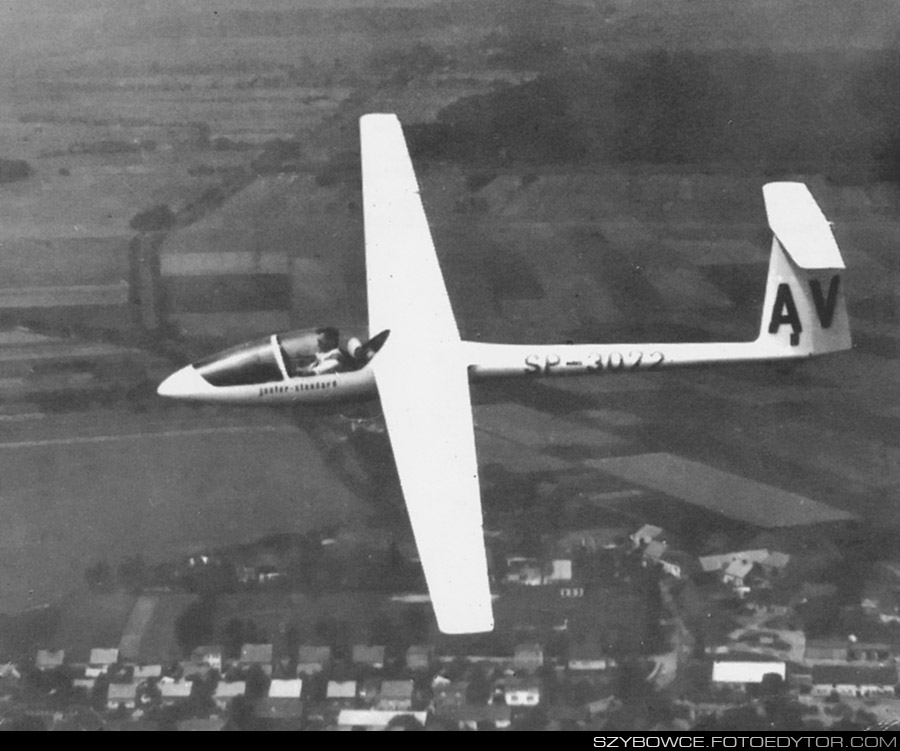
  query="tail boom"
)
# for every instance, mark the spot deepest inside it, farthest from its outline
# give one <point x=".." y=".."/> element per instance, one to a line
<point x="804" y="312"/>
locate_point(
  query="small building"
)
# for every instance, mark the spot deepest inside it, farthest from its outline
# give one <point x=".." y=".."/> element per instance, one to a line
<point x="373" y="719"/>
<point x="419" y="656"/>
<point x="736" y="573"/>
<point x="738" y="674"/>
<point x="122" y="695"/>
<point x="678" y="564"/>
<point x="341" y="693"/>
<point x="312" y="659"/>
<point x="210" y="655"/>
<point x="585" y="658"/>
<point x="172" y="692"/>
<point x="524" y="572"/>
<point x="521" y="692"/>
<point x="257" y="654"/>
<point x="371" y="656"/>
<point x="851" y="680"/>
<point x="50" y="659"/>
<point x="395" y="696"/>
<point x="528" y="657"/>
<point x="721" y="561"/>
<point x="283" y="701"/>
<point x="560" y="571"/>
<point x="645" y="535"/>
<point x="101" y="660"/>
<point x="228" y="690"/>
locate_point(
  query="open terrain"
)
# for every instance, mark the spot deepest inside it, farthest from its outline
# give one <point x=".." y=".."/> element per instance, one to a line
<point x="592" y="172"/>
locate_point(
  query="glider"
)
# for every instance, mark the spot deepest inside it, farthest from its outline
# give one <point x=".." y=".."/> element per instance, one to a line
<point x="415" y="363"/>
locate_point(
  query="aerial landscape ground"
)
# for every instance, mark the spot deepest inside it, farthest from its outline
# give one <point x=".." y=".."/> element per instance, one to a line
<point x="592" y="172"/>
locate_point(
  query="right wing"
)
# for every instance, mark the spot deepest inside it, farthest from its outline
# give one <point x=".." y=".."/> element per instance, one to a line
<point x="423" y="384"/>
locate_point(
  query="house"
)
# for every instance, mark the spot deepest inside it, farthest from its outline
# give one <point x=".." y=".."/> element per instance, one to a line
<point x="588" y="657"/>
<point x="210" y="655"/>
<point x="372" y="656"/>
<point x="50" y="659"/>
<point x="738" y="674"/>
<point x="645" y="535"/>
<point x="528" y="657"/>
<point x="850" y="680"/>
<point x="257" y="654"/>
<point x="418" y="657"/>
<point x="122" y="694"/>
<point x="312" y="660"/>
<point x="283" y="701"/>
<point x="395" y="696"/>
<point x="373" y="719"/>
<point x="523" y="571"/>
<point x="560" y="570"/>
<point x="477" y="716"/>
<point x="341" y="693"/>
<point x="521" y="692"/>
<point x="678" y="564"/>
<point x="172" y="692"/>
<point x="228" y="690"/>
<point x="100" y="662"/>
<point x="736" y="572"/>
<point x="285" y="689"/>
<point x="721" y="561"/>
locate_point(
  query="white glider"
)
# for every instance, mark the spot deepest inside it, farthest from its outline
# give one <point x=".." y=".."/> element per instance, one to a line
<point x="414" y="362"/>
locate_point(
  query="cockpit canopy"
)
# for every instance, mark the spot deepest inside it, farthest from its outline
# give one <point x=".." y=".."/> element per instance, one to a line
<point x="282" y="356"/>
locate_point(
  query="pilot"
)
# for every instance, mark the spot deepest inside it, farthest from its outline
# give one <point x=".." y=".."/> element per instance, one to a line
<point x="329" y="357"/>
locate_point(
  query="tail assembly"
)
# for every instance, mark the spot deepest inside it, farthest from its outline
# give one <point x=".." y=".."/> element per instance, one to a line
<point x="805" y="312"/>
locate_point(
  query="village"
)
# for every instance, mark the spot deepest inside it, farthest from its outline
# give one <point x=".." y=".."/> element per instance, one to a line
<point x="601" y="628"/>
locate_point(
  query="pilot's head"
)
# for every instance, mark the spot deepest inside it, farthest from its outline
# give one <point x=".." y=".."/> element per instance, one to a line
<point x="328" y="338"/>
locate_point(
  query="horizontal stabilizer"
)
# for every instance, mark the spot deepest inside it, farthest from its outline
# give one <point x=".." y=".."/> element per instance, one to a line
<point x="801" y="227"/>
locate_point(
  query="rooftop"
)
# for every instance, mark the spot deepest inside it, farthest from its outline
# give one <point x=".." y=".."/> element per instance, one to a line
<point x="831" y="675"/>
<point x="745" y="672"/>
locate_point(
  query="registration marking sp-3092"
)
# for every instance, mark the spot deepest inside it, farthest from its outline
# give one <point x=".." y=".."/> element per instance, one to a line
<point x="596" y="362"/>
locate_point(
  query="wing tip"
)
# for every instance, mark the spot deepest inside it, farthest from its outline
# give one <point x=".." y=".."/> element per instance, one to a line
<point x="470" y="624"/>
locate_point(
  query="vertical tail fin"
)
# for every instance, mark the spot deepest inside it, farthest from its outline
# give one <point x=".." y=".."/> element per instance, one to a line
<point x="805" y="311"/>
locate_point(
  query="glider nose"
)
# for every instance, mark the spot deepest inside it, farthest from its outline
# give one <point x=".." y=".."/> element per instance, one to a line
<point x="186" y="383"/>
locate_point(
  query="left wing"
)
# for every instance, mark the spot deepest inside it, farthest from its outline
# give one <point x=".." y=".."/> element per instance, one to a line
<point x="423" y="383"/>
